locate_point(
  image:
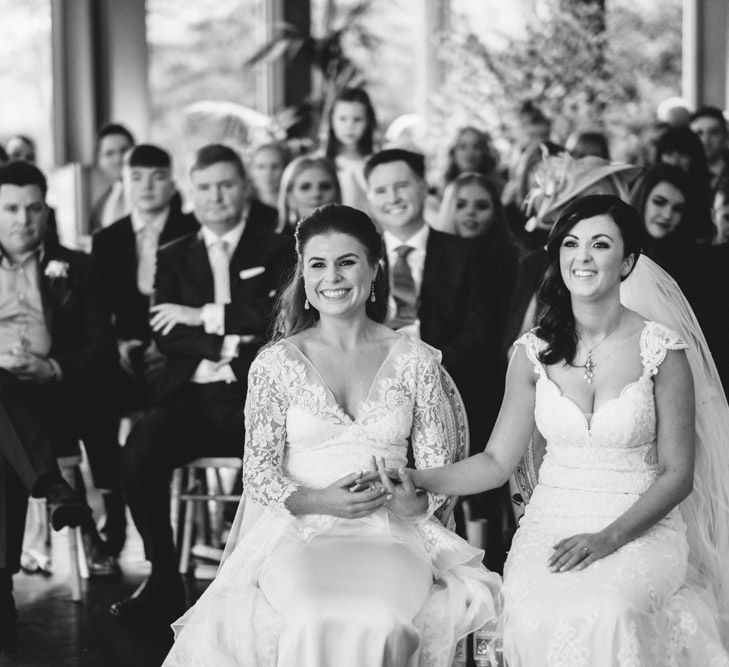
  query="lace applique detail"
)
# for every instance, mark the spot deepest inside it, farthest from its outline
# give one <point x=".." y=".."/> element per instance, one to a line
<point x="265" y="424"/>
<point x="655" y="341"/>
<point x="533" y="345"/>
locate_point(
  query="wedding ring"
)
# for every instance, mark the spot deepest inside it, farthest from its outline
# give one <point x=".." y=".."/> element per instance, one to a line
<point x="585" y="550"/>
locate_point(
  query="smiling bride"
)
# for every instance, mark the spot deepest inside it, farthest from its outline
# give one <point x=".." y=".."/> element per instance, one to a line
<point x="324" y="570"/>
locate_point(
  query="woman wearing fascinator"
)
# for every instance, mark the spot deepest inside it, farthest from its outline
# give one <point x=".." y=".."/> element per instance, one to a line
<point x="323" y="570"/>
<point x="620" y="557"/>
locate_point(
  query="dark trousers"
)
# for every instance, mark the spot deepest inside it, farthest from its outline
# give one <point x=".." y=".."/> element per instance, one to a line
<point x="199" y="420"/>
<point x="26" y="455"/>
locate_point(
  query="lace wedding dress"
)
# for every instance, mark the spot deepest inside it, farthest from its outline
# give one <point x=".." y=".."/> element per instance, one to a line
<point x="320" y="591"/>
<point x="633" y="607"/>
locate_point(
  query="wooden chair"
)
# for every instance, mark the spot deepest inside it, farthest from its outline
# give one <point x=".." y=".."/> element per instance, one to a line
<point x="190" y="493"/>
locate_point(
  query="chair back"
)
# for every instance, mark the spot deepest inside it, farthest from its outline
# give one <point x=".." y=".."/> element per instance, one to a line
<point x="527" y="472"/>
<point x="456" y="433"/>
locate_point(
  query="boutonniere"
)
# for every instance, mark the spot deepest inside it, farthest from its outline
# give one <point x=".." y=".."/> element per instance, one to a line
<point x="56" y="269"/>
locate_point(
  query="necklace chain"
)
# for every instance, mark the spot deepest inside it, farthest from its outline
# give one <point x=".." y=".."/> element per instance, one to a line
<point x="589" y="365"/>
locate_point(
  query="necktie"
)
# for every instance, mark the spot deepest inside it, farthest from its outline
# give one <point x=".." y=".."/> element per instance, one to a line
<point x="146" y="262"/>
<point x="403" y="289"/>
<point x="219" y="263"/>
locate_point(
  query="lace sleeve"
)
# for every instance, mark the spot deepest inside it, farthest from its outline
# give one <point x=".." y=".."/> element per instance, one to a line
<point x="533" y="345"/>
<point x="265" y="423"/>
<point x="431" y="419"/>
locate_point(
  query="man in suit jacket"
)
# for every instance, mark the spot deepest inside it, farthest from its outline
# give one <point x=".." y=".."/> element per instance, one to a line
<point x="55" y="348"/>
<point x="124" y="256"/>
<point x="441" y="294"/>
<point x="214" y="291"/>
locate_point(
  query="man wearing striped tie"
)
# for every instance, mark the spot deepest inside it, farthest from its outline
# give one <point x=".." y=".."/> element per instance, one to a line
<point x="439" y="292"/>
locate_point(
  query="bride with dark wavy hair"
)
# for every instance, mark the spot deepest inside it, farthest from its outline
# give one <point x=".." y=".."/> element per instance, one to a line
<point x="620" y="556"/>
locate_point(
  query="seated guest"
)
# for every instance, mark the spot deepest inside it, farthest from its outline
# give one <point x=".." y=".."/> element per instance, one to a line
<point x="266" y="167"/>
<point x="308" y="182"/>
<point x="710" y="125"/>
<point x="114" y="141"/>
<point x="125" y="256"/>
<point x="214" y="291"/>
<point x="720" y="212"/>
<point x="442" y="293"/>
<point x="55" y="350"/>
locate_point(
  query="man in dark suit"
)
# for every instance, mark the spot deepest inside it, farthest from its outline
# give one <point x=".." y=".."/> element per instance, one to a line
<point x="124" y="256"/>
<point x="55" y="348"/>
<point x="441" y="293"/>
<point x="214" y="291"/>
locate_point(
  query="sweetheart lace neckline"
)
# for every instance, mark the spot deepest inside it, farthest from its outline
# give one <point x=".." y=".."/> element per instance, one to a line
<point x="341" y="412"/>
<point x="589" y="421"/>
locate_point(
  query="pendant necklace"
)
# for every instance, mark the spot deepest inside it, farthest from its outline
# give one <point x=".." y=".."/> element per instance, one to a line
<point x="589" y="364"/>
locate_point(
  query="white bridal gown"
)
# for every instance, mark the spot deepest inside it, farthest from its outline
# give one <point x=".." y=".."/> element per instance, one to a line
<point x="320" y="591"/>
<point x="633" y="607"/>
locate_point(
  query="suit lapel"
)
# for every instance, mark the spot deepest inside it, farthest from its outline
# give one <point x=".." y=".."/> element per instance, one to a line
<point x="431" y="269"/>
<point x="245" y="255"/>
<point x="45" y="290"/>
<point x="197" y="257"/>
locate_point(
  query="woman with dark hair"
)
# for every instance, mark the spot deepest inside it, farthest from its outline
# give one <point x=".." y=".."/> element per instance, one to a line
<point x="323" y="570"/>
<point x="663" y="197"/>
<point x="625" y="537"/>
<point x="350" y="141"/>
<point x="681" y="147"/>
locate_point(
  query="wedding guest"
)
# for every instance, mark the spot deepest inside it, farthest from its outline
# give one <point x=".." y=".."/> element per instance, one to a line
<point x="55" y="350"/>
<point x="442" y="294"/>
<point x="720" y="212"/>
<point x="471" y="209"/>
<point x="20" y="147"/>
<point x="113" y="141"/>
<point x="323" y="571"/>
<point x="710" y="125"/>
<point x="680" y="147"/>
<point x="214" y="291"/>
<point x="309" y="181"/>
<point x="471" y="151"/>
<point x="581" y="144"/>
<point x="266" y="168"/>
<point x="125" y="257"/>
<point x="350" y="142"/>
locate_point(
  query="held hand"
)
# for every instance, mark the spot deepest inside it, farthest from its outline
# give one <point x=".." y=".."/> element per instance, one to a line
<point x="32" y="367"/>
<point x="339" y="499"/>
<point x="578" y="551"/>
<point x="405" y="500"/>
<point x="166" y="315"/>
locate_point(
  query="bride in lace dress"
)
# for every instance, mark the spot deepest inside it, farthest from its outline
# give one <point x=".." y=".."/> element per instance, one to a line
<point x="617" y="561"/>
<point x="324" y="571"/>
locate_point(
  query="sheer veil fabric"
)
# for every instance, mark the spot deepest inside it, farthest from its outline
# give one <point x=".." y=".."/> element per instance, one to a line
<point x="652" y="293"/>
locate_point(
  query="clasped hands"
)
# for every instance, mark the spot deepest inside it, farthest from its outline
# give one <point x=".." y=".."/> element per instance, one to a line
<point x="27" y="366"/>
<point x="360" y="494"/>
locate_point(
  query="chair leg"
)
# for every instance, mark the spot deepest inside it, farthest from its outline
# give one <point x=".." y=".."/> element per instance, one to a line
<point x="74" y="560"/>
<point x="186" y="546"/>
<point x="176" y="490"/>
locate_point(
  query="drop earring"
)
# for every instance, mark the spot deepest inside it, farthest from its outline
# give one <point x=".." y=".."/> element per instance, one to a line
<point x="307" y="305"/>
<point x="373" y="298"/>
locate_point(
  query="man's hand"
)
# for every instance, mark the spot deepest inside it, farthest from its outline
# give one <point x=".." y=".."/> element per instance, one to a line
<point x="166" y="315"/>
<point x="129" y="355"/>
<point x="154" y="361"/>
<point x="31" y="367"/>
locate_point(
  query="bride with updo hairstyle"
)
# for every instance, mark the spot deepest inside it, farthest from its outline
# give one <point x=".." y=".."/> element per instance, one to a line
<point x="321" y="568"/>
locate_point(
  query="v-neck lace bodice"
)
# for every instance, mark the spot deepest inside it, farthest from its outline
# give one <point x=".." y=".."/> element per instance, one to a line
<point x="297" y="433"/>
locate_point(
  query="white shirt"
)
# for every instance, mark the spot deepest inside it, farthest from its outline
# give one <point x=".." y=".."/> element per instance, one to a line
<point x="116" y="205"/>
<point x="213" y="316"/>
<point x="147" y="235"/>
<point x="416" y="262"/>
